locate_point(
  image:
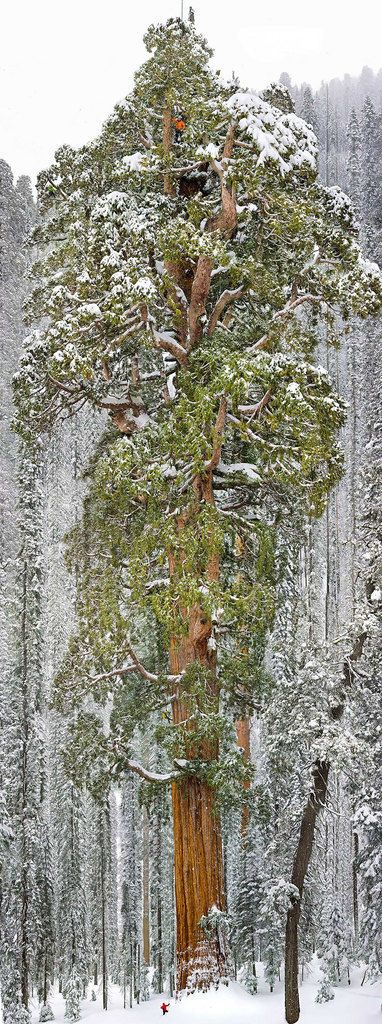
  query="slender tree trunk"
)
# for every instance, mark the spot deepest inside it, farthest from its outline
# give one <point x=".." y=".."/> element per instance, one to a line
<point x="300" y="866"/>
<point x="146" y="889"/>
<point x="103" y="918"/>
<point x="24" y="962"/>
<point x="243" y="734"/>
<point x="355" y="885"/>
<point x="138" y="974"/>
<point x="159" y="908"/>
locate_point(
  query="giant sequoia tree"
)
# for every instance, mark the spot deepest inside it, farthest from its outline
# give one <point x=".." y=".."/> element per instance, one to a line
<point x="182" y="281"/>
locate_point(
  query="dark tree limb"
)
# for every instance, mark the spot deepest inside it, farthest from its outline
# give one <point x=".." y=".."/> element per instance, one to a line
<point x="316" y="802"/>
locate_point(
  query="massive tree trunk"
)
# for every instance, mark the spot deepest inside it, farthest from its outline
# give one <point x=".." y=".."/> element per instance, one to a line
<point x="199" y="885"/>
<point x="198" y="853"/>
<point x="198" y="850"/>
<point x="301" y="862"/>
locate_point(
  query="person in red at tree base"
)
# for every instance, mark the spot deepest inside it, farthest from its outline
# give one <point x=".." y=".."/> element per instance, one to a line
<point x="164" y="1008"/>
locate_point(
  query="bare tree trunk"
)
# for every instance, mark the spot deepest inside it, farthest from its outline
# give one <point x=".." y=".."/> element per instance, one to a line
<point x="198" y="884"/>
<point x="355" y="885"/>
<point x="103" y="919"/>
<point x="146" y="889"/>
<point x="24" y="961"/>
<point x="300" y="866"/>
<point x="198" y="851"/>
<point x="167" y="141"/>
<point x="243" y="734"/>
<point x="159" y="907"/>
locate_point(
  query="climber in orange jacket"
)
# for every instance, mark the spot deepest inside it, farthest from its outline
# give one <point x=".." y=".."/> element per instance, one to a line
<point x="179" y="125"/>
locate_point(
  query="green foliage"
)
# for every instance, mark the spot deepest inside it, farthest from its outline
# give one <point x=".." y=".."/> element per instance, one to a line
<point x="183" y="515"/>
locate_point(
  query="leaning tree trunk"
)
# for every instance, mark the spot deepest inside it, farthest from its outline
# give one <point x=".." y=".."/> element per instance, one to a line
<point x="300" y="866"/>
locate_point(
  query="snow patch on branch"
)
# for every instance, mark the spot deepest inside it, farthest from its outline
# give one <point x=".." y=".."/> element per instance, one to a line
<point x="282" y="138"/>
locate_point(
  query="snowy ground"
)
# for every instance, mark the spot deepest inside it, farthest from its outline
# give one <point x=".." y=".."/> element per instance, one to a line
<point x="351" y="1005"/>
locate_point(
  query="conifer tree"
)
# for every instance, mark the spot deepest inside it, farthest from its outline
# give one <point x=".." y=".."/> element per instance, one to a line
<point x="307" y="109"/>
<point x="371" y="179"/>
<point x="183" y="277"/>
<point x="354" y="168"/>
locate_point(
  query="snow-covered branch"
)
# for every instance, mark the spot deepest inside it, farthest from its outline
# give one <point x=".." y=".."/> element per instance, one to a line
<point x="255" y="410"/>
<point x="136" y="666"/>
<point x="148" y="776"/>
<point x="290" y="307"/>
<point x="226" y="299"/>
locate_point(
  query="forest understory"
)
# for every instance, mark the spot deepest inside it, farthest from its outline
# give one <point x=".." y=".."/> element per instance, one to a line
<point x="360" y="1005"/>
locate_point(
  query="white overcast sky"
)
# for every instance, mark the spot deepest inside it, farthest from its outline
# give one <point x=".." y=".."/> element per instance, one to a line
<point x="64" y="63"/>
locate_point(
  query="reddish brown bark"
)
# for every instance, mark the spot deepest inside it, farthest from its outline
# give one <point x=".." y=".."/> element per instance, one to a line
<point x="167" y="142"/>
<point x="199" y="294"/>
<point x="199" y="877"/>
<point x="226" y="219"/>
<point x="199" y="884"/>
<point x="198" y="851"/>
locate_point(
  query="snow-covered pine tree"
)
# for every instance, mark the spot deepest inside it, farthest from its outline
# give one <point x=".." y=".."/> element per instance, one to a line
<point x="131" y="888"/>
<point x="371" y="179"/>
<point x="161" y="893"/>
<point x="332" y="949"/>
<point x="246" y="937"/>
<point x="368" y="708"/>
<point x="71" y="911"/>
<point x="182" y="282"/>
<point x="99" y="881"/>
<point x="307" y="109"/>
<point x="17" y="617"/>
<point x="354" y="166"/>
<point x="27" y="885"/>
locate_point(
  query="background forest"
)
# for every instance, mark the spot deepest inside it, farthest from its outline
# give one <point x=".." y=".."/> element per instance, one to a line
<point x="86" y="851"/>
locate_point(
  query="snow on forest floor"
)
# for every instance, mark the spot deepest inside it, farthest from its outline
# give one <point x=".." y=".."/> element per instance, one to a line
<point x="354" y="1004"/>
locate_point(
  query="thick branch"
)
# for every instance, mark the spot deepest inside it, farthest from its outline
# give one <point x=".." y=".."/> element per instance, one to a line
<point x="218" y="435"/>
<point x="226" y="299"/>
<point x="136" y="666"/>
<point x="226" y="219"/>
<point x="122" y="671"/>
<point x="152" y="678"/>
<point x="170" y="345"/>
<point x="134" y="766"/>
<point x="243" y="425"/>
<point x="167" y="143"/>
<point x="199" y="295"/>
<point x="255" y="410"/>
